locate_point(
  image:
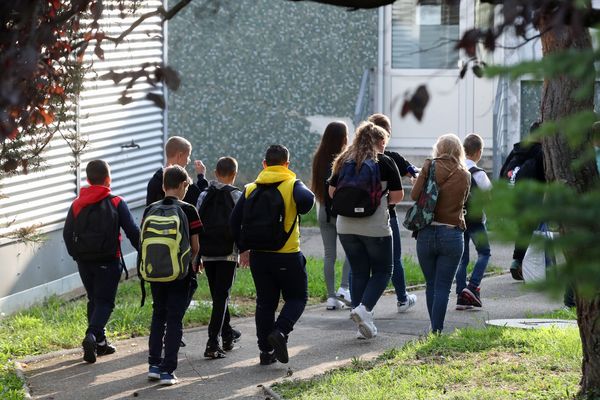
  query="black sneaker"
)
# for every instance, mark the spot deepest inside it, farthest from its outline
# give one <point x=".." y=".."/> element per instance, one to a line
<point x="516" y="270"/>
<point x="473" y="296"/>
<point x="279" y="342"/>
<point x="228" y="341"/>
<point x="213" y="351"/>
<point x="267" y="358"/>
<point x="104" y="348"/>
<point x="89" y="348"/>
<point x="181" y="342"/>
<point x="463" y="303"/>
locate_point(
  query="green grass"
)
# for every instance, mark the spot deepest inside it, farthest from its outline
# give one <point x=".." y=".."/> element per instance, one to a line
<point x="490" y="363"/>
<point x="60" y="324"/>
<point x="310" y="219"/>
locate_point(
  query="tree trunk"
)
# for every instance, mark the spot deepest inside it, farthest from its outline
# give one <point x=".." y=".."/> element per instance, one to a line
<point x="558" y="102"/>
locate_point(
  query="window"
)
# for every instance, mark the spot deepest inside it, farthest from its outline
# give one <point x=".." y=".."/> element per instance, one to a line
<point x="424" y="34"/>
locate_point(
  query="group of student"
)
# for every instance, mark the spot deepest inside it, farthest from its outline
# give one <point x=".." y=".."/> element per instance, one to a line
<point x="187" y="228"/>
<point x="191" y="227"/>
<point x="371" y="238"/>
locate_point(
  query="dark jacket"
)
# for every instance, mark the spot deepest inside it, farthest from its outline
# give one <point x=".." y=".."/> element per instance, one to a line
<point x="155" y="192"/>
<point x="528" y="158"/>
<point x="91" y="195"/>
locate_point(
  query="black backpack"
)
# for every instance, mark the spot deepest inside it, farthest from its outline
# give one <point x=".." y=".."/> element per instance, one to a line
<point x="263" y="221"/>
<point x="468" y="206"/>
<point x="96" y="232"/>
<point x="216" y="239"/>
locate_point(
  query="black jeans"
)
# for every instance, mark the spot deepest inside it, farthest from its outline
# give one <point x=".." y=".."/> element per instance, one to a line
<point x="169" y="302"/>
<point x="100" y="283"/>
<point x="275" y="275"/>
<point x="220" y="276"/>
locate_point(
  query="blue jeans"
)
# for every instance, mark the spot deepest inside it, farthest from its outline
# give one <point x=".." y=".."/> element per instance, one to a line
<point x="371" y="265"/>
<point x="398" y="274"/>
<point x="278" y="275"/>
<point x="439" y="249"/>
<point x="169" y="302"/>
<point x="476" y="232"/>
<point x="100" y="282"/>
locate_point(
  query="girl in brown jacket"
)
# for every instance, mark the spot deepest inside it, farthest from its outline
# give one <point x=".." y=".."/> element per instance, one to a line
<point x="440" y="245"/>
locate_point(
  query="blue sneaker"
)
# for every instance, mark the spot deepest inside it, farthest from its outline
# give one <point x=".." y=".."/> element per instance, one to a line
<point x="168" y="379"/>
<point x="153" y="373"/>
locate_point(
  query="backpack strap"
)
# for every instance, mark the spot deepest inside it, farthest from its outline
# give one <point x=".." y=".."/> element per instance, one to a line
<point x="115" y="201"/>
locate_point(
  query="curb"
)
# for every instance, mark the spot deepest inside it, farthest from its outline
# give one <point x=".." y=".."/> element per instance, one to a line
<point x="21" y="375"/>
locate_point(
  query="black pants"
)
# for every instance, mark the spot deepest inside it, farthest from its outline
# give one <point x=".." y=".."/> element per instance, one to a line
<point x="275" y="275"/>
<point x="169" y="302"/>
<point x="220" y="275"/>
<point x="100" y="283"/>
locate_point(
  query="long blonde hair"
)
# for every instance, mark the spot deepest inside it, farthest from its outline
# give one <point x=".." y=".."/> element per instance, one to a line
<point x="450" y="145"/>
<point x="363" y="147"/>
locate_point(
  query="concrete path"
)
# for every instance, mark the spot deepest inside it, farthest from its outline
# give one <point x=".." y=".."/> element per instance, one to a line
<point x="322" y="340"/>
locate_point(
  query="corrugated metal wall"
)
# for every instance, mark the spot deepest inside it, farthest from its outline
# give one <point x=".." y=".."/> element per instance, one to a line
<point x="44" y="197"/>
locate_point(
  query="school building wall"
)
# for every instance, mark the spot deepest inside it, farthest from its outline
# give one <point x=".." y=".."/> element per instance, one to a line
<point x="259" y="72"/>
<point x="129" y="137"/>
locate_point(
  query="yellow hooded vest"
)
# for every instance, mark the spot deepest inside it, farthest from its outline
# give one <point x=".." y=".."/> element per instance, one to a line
<point x="279" y="173"/>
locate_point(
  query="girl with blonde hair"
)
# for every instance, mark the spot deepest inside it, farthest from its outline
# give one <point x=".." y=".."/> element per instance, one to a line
<point x="367" y="240"/>
<point x="440" y="245"/>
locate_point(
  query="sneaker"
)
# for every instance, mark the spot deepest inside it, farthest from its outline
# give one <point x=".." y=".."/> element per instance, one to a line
<point x="343" y="295"/>
<point x="473" y="295"/>
<point x="104" y="348"/>
<point x="463" y="303"/>
<point x="153" y="373"/>
<point x="364" y="319"/>
<point x="168" y="379"/>
<point x="360" y="336"/>
<point x="404" y="306"/>
<point x="182" y="343"/>
<point x="279" y="342"/>
<point x="214" y="351"/>
<point x="267" y="358"/>
<point x="89" y="348"/>
<point x="516" y="270"/>
<point x="228" y="341"/>
<point x="334" y="304"/>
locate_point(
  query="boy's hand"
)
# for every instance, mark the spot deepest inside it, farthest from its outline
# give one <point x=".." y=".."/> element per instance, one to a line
<point x="198" y="267"/>
<point x="200" y="167"/>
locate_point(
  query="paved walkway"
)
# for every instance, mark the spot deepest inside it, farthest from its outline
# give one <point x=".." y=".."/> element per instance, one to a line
<point x="322" y="340"/>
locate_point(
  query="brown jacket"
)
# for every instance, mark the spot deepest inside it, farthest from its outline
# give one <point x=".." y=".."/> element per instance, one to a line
<point x="453" y="190"/>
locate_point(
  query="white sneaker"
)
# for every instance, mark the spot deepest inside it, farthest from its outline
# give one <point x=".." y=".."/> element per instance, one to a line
<point x="411" y="300"/>
<point x="343" y="295"/>
<point x="334" y="304"/>
<point x="364" y="319"/>
<point x="360" y="336"/>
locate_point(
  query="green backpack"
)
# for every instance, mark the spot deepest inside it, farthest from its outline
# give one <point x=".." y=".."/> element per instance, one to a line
<point x="164" y="244"/>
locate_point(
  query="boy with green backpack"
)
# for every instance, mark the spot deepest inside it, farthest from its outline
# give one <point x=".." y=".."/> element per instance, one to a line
<point x="169" y="243"/>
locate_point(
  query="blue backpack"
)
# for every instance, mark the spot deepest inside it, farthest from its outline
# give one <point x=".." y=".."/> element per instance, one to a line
<point x="358" y="191"/>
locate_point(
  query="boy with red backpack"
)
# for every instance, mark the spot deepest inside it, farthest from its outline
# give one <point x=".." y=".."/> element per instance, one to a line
<point x="219" y="254"/>
<point x="92" y="236"/>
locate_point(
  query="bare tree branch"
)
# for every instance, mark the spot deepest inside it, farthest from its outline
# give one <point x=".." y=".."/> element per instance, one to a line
<point x="160" y="11"/>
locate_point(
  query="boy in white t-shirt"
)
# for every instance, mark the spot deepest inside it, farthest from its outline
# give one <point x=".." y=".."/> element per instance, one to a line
<point x="468" y="295"/>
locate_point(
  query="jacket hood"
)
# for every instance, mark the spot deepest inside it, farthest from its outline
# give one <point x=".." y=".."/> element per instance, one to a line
<point x="527" y="149"/>
<point x="89" y="195"/>
<point x="274" y="174"/>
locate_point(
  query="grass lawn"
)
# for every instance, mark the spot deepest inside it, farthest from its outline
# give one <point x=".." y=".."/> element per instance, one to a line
<point x="491" y="363"/>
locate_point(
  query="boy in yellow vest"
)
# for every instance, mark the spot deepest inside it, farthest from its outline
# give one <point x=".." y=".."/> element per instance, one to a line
<point x="265" y="221"/>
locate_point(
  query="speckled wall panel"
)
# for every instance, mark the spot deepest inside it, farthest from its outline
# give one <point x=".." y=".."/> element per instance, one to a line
<point x="254" y="71"/>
